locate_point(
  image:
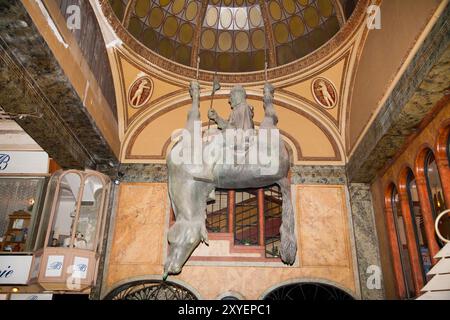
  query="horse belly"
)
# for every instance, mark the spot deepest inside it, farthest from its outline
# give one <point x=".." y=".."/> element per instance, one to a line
<point x="246" y="176"/>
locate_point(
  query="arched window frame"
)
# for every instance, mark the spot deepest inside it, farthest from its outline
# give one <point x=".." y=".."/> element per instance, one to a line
<point x="410" y="178"/>
<point x="448" y="147"/>
<point x="442" y="156"/>
<point x="397" y="253"/>
<point x="429" y="155"/>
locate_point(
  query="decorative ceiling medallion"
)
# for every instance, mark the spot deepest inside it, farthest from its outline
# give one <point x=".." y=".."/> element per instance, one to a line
<point x="140" y="92"/>
<point x="324" y="92"/>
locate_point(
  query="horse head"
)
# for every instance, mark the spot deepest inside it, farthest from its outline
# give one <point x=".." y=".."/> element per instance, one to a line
<point x="183" y="238"/>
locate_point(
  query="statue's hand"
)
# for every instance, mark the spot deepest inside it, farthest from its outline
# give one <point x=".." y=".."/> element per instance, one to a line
<point x="212" y="114"/>
<point x="194" y="89"/>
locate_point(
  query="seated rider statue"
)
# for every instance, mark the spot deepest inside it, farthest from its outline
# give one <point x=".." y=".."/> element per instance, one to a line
<point x="241" y="113"/>
<point x="241" y="117"/>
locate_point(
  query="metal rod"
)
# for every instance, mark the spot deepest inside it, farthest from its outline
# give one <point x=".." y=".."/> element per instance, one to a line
<point x="198" y="67"/>
<point x="211" y="102"/>
<point x="265" y="71"/>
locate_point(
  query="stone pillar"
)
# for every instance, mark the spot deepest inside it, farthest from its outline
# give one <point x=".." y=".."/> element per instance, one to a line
<point x="366" y="242"/>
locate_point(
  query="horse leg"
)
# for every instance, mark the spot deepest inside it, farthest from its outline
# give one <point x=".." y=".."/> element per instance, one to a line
<point x="287" y="229"/>
<point x="189" y="205"/>
<point x="194" y="113"/>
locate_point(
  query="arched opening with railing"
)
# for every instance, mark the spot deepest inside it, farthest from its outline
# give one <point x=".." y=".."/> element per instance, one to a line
<point x="150" y="290"/>
<point x="398" y="243"/>
<point x="413" y="200"/>
<point x="308" y="291"/>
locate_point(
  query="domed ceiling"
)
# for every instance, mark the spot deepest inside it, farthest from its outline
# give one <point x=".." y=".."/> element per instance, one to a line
<point x="230" y="35"/>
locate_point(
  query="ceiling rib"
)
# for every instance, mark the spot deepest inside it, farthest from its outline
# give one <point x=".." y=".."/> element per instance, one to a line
<point x="270" y="44"/>
<point x="127" y="13"/>
<point x="197" y="33"/>
<point x="339" y="12"/>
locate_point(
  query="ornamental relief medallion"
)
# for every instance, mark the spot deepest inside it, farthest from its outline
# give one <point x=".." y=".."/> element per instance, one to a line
<point x="324" y="93"/>
<point x="140" y="92"/>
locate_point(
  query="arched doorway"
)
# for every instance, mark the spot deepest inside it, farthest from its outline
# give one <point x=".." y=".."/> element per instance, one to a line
<point x="150" y="290"/>
<point x="308" y="291"/>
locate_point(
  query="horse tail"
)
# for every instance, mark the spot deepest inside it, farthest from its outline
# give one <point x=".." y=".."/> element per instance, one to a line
<point x="287" y="230"/>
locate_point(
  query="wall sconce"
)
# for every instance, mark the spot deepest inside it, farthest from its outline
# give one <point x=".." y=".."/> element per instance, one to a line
<point x="118" y="178"/>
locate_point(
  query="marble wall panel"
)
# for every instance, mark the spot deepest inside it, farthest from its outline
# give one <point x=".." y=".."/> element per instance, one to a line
<point x="139" y="226"/>
<point x="323" y="226"/>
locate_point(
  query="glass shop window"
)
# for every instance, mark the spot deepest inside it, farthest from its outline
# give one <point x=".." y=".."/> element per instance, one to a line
<point x="245" y="215"/>
<point x="47" y="209"/>
<point x="402" y="243"/>
<point x="273" y="202"/>
<point x="246" y="221"/>
<point x="76" y="212"/>
<point x="436" y="195"/>
<point x="20" y="200"/>
<point x="66" y="207"/>
<point x="418" y="225"/>
<point x="217" y="213"/>
<point x="87" y="226"/>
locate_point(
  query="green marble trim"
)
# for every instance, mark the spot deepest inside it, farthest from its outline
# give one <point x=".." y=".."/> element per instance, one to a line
<point x="139" y="172"/>
<point x="366" y="239"/>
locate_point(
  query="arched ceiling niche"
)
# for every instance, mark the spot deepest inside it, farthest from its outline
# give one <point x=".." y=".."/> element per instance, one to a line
<point x="149" y="138"/>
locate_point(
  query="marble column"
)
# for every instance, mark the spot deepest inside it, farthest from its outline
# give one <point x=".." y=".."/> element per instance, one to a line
<point x="366" y="241"/>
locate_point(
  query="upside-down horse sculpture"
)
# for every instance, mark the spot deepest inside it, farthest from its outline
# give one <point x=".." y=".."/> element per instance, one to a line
<point x="192" y="183"/>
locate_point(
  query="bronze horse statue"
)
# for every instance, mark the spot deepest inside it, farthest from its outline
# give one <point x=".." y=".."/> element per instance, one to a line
<point x="189" y="194"/>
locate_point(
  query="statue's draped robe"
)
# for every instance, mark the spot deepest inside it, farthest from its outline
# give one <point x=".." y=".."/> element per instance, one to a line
<point x="241" y="117"/>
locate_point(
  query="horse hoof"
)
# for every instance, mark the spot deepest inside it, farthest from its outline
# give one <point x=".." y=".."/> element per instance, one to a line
<point x="288" y="253"/>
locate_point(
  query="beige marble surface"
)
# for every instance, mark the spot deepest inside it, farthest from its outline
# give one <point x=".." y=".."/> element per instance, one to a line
<point x="139" y="224"/>
<point x="323" y="230"/>
<point x="219" y="248"/>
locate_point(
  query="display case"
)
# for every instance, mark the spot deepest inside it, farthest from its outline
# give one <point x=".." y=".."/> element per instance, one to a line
<point x="17" y="233"/>
<point x="68" y="245"/>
